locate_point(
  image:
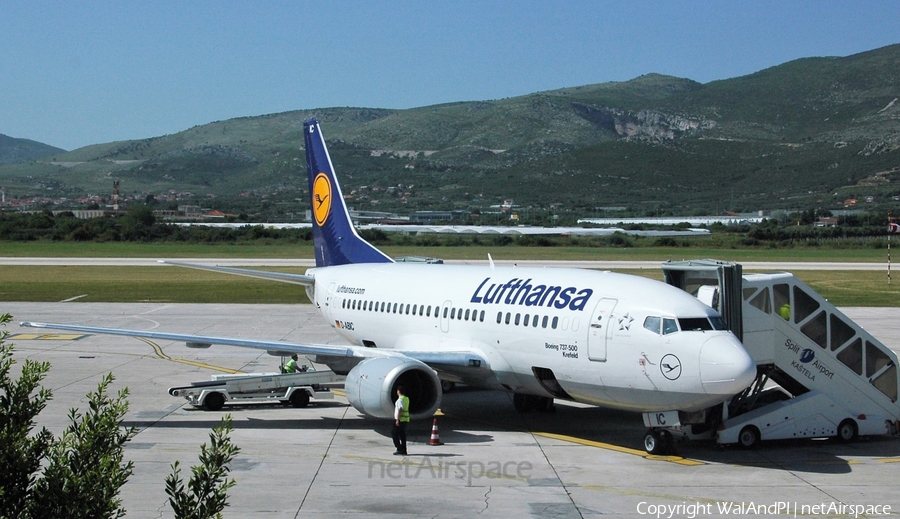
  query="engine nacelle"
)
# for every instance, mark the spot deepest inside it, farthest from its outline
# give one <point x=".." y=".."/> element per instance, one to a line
<point x="371" y="387"/>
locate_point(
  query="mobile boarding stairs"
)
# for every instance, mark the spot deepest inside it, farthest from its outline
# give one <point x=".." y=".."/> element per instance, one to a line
<point x="819" y="374"/>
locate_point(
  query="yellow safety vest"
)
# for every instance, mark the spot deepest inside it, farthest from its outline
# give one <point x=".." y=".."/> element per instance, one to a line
<point x="785" y="312"/>
<point x="404" y="413"/>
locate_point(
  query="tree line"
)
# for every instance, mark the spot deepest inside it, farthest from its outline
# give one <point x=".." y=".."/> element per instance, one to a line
<point x="139" y="225"/>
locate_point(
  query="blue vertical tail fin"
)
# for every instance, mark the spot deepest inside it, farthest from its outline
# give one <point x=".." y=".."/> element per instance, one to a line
<point x="335" y="240"/>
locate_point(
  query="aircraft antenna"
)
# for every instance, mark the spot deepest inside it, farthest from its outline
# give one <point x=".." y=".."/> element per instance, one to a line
<point x="491" y="261"/>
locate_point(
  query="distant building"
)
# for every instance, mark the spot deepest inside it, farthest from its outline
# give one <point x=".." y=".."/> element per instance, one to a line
<point x="430" y="216"/>
<point x="86" y="214"/>
<point x="190" y="211"/>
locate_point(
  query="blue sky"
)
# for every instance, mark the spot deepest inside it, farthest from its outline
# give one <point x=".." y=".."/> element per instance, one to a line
<point x="86" y="72"/>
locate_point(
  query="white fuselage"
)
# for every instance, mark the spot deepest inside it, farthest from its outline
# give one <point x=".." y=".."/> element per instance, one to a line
<point x="606" y="339"/>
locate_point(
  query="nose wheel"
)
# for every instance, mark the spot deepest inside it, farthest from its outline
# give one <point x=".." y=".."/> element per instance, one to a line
<point x="657" y="441"/>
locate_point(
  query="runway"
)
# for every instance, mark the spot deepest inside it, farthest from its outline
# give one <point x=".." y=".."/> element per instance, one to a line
<point x="329" y="461"/>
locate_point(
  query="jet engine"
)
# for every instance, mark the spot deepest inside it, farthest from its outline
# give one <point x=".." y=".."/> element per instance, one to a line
<point x="371" y="387"/>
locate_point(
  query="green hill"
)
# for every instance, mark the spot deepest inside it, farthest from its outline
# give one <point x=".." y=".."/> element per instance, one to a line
<point x="13" y="150"/>
<point x="809" y="132"/>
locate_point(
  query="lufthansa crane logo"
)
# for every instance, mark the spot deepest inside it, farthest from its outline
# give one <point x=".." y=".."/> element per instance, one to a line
<point x="670" y="367"/>
<point x="321" y="199"/>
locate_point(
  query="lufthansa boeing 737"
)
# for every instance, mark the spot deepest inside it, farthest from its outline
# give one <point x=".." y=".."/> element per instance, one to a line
<point x="600" y="338"/>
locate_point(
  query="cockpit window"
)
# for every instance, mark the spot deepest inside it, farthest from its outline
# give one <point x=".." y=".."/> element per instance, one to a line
<point x="652" y="323"/>
<point x="669" y="326"/>
<point x="688" y="324"/>
<point x="718" y="323"/>
<point x="695" y="324"/>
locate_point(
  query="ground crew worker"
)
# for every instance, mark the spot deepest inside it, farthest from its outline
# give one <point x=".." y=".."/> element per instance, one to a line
<point x="291" y="366"/>
<point x="785" y="311"/>
<point x="401" y="420"/>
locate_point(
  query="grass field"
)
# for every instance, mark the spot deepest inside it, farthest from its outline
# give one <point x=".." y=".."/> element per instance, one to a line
<point x="140" y="284"/>
<point x="509" y="252"/>
<point x="180" y="285"/>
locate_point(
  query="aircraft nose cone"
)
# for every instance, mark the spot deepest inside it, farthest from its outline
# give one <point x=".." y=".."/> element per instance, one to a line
<point x="725" y="366"/>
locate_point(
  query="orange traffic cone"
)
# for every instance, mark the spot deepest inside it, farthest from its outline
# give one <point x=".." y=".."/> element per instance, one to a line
<point x="435" y="437"/>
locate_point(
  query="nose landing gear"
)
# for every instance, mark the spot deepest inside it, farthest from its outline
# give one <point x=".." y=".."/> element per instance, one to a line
<point x="658" y="441"/>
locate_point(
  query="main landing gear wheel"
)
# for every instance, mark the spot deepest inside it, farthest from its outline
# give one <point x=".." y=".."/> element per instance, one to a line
<point x="521" y="402"/>
<point x="749" y="437"/>
<point x="214" y="401"/>
<point x="657" y="442"/>
<point x="525" y="403"/>
<point x="847" y="431"/>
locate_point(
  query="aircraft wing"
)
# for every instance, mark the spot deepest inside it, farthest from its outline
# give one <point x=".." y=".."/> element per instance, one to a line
<point x="203" y="340"/>
<point x="446" y="358"/>
<point x="297" y="279"/>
